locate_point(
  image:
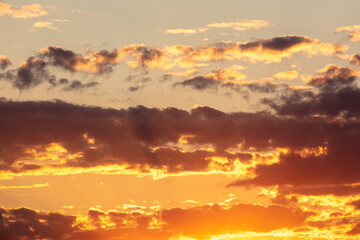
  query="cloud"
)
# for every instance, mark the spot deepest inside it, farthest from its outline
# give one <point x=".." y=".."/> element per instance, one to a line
<point x="29" y="74"/>
<point x="26" y="11"/>
<point x="226" y="78"/>
<point x="25" y="187"/>
<point x="24" y="223"/>
<point x="241" y="25"/>
<point x="151" y="58"/>
<point x="186" y="31"/>
<point x="355" y="59"/>
<point x="337" y="190"/>
<point x="332" y="76"/>
<point x="333" y="106"/>
<point x="353" y="32"/>
<point x="355" y="230"/>
<point x="34" y="72"/>
<point x="203" y="221"/>
<point x="46" y="24"/>
<point x="288" y="75"/>
<point x="263" y="50"/>
<point x="139" y="138"/>
<point x="98" y="62"/>
<point x="4" y="62"/>
<point x="337" y="93"/>
<point x="214" y="79"/>
<point x="77" y="85"/>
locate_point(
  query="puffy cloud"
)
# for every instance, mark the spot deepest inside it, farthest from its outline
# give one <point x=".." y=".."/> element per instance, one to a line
<point x="355" y="59"/>
<point x="288" y="75"/>
<point x="26" y="11"/>
<point x="226" y="78"/>
<point x="332" y="76"/>
<point x="263" y="50"/>
<point x="24" y="223"/>
<point x="77" y="85"/>
<point x="29" y="74"/>
<point x="42" y="24"/>
<point x="338" y="165"/>
<point x="140" y="138"/>
<point x="214" y="79"/>
<point x="337" y="94"/>
<point x="98" y="62"/>
<point x="353" y="32"/>
<point x="201" y="221"/>
<point x="333" y="106"/>
<point x="4" y="62"/>
<point x="151" y="58"/>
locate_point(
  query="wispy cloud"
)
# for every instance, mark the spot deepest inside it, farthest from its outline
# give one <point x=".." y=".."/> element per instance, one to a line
<point x="25" y="11"/>
<point x="353" y="32"/>
<point x="25" y="187"/>
<point x="46" y="24"/>
<point x="241" y="25"/>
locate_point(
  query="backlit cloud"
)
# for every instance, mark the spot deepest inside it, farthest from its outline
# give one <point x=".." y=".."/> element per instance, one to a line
<point x="25" y="187"/>
<point x="264" y="50"/>
<point x="355" y="59"/>
<point x="4" y="62"/>
<point x="200" y="222"/>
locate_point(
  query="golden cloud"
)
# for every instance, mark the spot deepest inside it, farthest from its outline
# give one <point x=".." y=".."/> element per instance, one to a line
<point x="353" y="32"/>
<point x="26" y="11"/>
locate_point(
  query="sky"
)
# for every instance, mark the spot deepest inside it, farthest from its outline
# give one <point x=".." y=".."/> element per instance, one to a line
<point x="179" y="120"/>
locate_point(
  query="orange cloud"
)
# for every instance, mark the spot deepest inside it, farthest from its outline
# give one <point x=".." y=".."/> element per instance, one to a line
<point x="263" y="50"/>
<point x="288" y="75"/>
<point x="25" y="187"/>
<point x="97" y="62"/>
<point x="200" y="222"/>
<point x="26" y="11"/>
<point x="353" y="32"/>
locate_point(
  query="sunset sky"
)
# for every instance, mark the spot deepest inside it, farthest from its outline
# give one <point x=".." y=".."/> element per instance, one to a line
<point x="179" y="120"/>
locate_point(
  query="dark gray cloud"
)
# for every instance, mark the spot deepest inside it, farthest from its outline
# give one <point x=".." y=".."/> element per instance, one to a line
<point x="336" y="190"/>
<point x="100" y="62"/>
<point x="30" y="74"/>
<point x="4" y="62"/>
<point x="77" y="85"/>
<point x="355" y="59"/>
<point x="23" y="223"/>
<point x="200" y="83"/>
<point x="208" y="83"/>
<point x="27" y="224"/>
<point x="130" y="135"/>
<point x="335" y="93"/>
